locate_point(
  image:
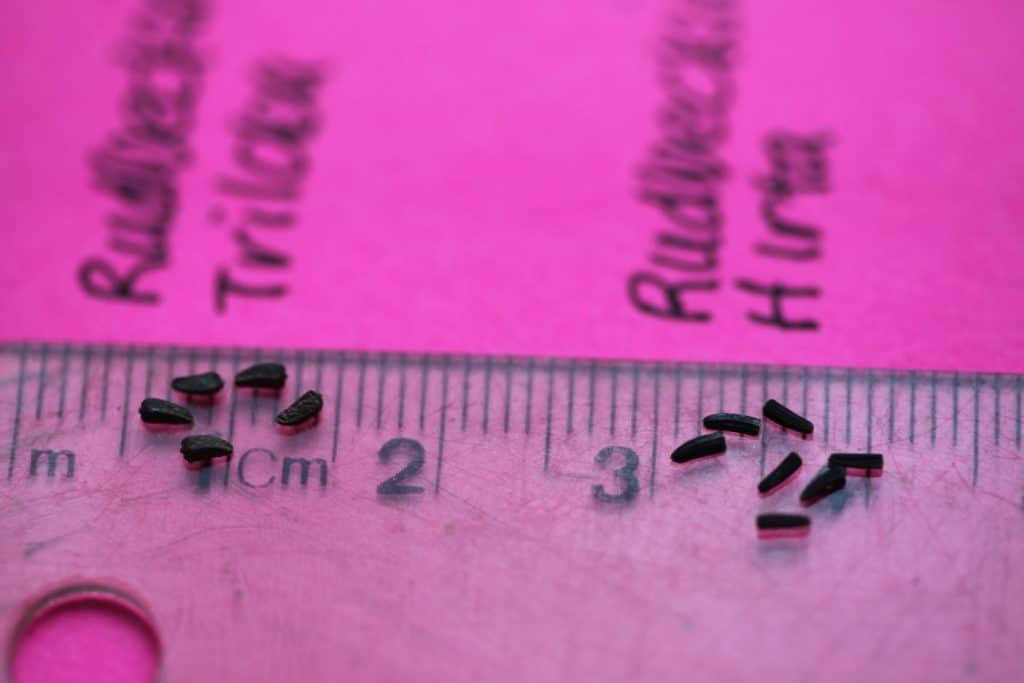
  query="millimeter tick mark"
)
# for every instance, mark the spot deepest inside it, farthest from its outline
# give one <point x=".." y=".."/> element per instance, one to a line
<point x="127" y="400"/>
<point x="551" y="394"/>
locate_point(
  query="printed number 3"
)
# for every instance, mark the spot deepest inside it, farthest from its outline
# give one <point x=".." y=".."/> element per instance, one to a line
<point x="625" y="474"/>
<point x="393" y="485"/>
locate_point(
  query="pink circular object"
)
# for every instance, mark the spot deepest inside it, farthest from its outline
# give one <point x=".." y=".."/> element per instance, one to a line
<point x="92" y="638"/>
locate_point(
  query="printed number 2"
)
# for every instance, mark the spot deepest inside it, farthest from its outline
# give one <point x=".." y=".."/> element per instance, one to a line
<point x="417" y="456"/>
<point x="625" y="474"/>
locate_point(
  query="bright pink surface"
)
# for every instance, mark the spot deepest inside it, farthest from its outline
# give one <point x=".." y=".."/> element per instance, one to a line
<point x="473" y="186"/>
<point x="89" y="641"/>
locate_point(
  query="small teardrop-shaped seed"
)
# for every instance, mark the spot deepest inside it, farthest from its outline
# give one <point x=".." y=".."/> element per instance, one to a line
<point x="202" y="447"/>
<point x="857" y="461"/>
<point x="784" y="417"/>
<point x="784" y="471"/>
<point x="305" y="407"/>
<point x="733" y="422"/>
<point x="161" y="412"/>
<point x="262" y="376"/>
<point x="828" y="481"/>
<point x="202" y="385"/>
<point x="777" y="520"/>
<point x="700" y="447"/>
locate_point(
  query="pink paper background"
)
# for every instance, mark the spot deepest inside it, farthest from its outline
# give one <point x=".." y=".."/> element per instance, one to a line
<point x="473" y="185"/>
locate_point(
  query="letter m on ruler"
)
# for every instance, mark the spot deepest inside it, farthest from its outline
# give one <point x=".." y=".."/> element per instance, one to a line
<point x="53" y="459"/>
<point x="304" y="467"/>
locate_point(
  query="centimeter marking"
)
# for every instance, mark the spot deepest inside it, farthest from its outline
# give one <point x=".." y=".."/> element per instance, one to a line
<point x="1017" y="421"/>
<point x="441" y="426"/>
<point x="547" y="434"/>
<point x="22" y="354"/>
<point x="668" y="382"/>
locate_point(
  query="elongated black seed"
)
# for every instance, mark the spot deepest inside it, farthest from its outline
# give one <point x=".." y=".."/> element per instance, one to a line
<point x="856" y="461"/>
<point x="830" y="480"/>
<point x="202" y="384"/>
<point x="700" y="447"/>
<point x="202" y="447"/>
<point x="790" y="464"/>
<point x="262" y="376"/>
<point x="161" y="412"/>
<point x="305" y="407"/>
<point x="733" y="422"/>
<point x="783" y="416"/>
<point x="782" y="521"/>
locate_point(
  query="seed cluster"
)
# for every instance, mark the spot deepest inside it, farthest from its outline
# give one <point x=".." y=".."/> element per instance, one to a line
<point x="202" y="449"/>
<point x="829" y="480"/>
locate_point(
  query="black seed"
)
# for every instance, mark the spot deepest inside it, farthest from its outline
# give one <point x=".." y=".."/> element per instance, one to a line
<point x="783" y="416"/>
<point x="161" y="412"/>
<point x="856" y="461"/>
<point x="305" y="407"/>
<point x="733" y="422"/>
<point x="203" y="384"/>
<point x="203" y="447"/>
<point x="790" y="464"/>
<point x="830" y="480"/>
<point x="262" y="376"/>
<point x="782" y="521"/>
<point x="700" y="447"/>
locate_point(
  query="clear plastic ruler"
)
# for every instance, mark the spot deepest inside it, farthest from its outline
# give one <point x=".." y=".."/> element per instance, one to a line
<point x="472" y="518"/>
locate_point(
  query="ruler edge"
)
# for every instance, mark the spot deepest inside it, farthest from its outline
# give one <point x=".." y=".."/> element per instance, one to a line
<point x="122" y="350"/>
